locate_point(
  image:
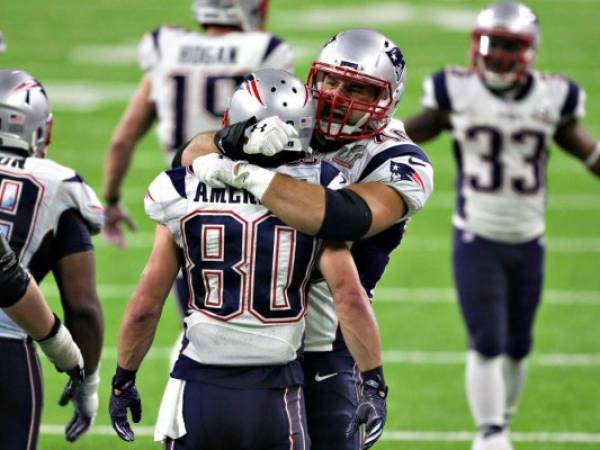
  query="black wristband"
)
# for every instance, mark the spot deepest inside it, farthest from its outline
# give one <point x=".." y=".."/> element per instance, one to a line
<point x="112" y="201"/>
<point x="375" y="375"/>
<point x="14" y="279"/>
<point x="122" y="377"/>
<point x="53" y="330"/>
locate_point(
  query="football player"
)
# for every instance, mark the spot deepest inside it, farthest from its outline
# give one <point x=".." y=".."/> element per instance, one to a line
<point x="47" y="214"/>
<point x="248" y="275"/>
<point x="503" y="115"/>
<point x="357" y="80"/>
<point x="187" y="83"/>
<point x="23" y="302"/>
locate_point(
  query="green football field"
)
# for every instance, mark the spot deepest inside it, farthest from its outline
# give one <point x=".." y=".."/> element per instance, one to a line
<point x="85" y="53"/>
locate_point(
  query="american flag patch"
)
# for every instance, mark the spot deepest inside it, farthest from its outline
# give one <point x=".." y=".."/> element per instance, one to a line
<point x="305" y="122"/>
<point x="16" y="119"/>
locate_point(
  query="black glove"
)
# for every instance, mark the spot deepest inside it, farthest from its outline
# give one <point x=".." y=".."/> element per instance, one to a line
<point x="372" y="409"/>
<point x="124" y="395"/>
<point x="231" y="139"/>
<point x="76" y="376"/>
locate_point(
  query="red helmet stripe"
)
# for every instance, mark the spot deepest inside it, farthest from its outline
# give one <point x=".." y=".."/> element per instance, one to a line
<point x="256" y="92"/>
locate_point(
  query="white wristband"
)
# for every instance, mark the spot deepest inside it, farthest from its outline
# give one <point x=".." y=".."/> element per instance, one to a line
<point x="61" y="350"/>
<point x="253" y="179"/>
<point x="593" y="157"/>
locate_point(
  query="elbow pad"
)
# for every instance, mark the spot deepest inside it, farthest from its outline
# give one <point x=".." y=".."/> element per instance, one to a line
<point x="347" y="216"/>
<point x="14" y="279"/>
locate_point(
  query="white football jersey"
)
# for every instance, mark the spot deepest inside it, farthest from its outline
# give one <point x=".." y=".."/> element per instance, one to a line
<point x="34" y="193"/>
<point x="390" y="158"/>
<point x="501" y="148"/>
<point x="247" y="272"/>
<point x="194" y="75"/>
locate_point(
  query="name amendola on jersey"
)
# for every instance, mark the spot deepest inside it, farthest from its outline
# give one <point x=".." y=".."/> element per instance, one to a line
<point x="501" y="146"/>
<point x="175" y="198"/>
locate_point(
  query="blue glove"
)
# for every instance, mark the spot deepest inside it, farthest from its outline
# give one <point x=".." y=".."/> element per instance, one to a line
<point x="124" y="395"/>
<point x="372" y="408"/>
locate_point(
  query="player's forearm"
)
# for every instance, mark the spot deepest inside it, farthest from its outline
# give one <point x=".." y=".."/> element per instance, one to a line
<point x="426" y="125"/>
<point x="32" y="313"/>
<point x="299" y="204"/>
<point x="86" y="325"/>
<point x="360" y="330"/>
<point x="116" y="166"/>
<point x="200" y="145"/>
<point x="145" y="306"/>
<point x="137" y="333"/>
<point x="136" y="121"/>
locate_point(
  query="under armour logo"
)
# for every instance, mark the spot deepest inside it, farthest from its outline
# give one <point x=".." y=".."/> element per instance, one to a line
<point x="262" y="128"/>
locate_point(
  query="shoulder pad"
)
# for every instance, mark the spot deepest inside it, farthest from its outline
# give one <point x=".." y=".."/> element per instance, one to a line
<point x="165" y="192"/>
<point x="406" y="169"/>
<point x="151" y="47"/>
<point x="277" y="54"/>
<point x="440" y="88"/>
<point x="75" y="193"/>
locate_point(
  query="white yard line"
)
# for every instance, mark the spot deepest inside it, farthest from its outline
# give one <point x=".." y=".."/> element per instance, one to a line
<point x="411" y="244"/>
<point x="382" y="295"/>
<point x="390" y="13"/>
<point x="448" y="295"/>
<point x="426" y="357"/>
<point x="392" y="435"/>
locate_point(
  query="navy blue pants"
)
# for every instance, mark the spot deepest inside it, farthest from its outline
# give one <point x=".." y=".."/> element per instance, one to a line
<point x="330" y="384"/>
<point x="219" y="418"/>
<point x="499" y="288"/>
<point x="20" y="395"/>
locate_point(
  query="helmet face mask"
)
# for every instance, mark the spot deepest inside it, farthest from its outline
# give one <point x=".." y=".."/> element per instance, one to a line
<point x="350" y="105"/>
<point x="249" y="15"/>
<point x="357" y="80"/>
<point x="504" y="44"/>
<point x="275" y="92"/>
<point x="25" y="117"/>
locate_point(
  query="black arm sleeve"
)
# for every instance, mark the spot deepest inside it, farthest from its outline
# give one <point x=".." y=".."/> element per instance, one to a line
<point x="347" y="216"/>
<point x="14" y="279"/>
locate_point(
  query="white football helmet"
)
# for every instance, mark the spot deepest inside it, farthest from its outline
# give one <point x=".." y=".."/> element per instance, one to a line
<point x="359" y="57"/>
<point x="504" y="44"/>
<point x="274" y="92"/>
<point x="249" y="15"/>
<point x="25" y="117"/>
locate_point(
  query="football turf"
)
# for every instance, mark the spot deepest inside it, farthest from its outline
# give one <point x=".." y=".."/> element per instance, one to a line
<point x="85" y="53"/>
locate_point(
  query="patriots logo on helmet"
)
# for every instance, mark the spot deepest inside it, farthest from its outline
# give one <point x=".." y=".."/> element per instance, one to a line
<point x="403" y="172"/>
<point x="397" y="59"/>
<point x="331" y="39"/>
